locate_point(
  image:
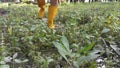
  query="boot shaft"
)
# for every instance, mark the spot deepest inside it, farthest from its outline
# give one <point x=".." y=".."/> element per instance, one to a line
<point x="52" y="11"/>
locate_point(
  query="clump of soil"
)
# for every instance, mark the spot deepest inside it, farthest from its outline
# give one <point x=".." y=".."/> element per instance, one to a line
<point x="3" y="11"/>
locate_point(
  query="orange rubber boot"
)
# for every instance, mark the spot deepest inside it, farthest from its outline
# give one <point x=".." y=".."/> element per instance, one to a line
<point x="52" y="10"/>
<point x="41" y="4"/>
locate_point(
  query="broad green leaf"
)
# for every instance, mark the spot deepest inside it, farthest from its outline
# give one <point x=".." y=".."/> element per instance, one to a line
<point x="87" y="48"/>
<point x="8" y="59"/>
<point x="75" y="64"/>
<point x="18" y="61"/>
<point x="45" y="64"/>
<point x="60" y="47"/>
<point x="61" y="50"/>
<point x="116" y="49"/>
<point x="90" y="46"/>
<point x="15" y="55"/>
<point x="25" y="60"/>
<point x="93" y="54"/>
<point x="2" y="62"/>
<point x="65" y="43"/>
<point x="81" y="59"/>
<point x="33" y="28"/>
<point x="105" y="30"/>
<point x="4" y="66"/>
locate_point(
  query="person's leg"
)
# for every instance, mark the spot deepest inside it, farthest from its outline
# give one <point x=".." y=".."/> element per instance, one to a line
<point x="41" y="4"/>
<point x="52" y="10"/>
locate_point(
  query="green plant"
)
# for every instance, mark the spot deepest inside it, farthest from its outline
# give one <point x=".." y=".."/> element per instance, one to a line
<point x="83" y="54"/>
<point x="82" y="25"/>
<point x="63" y="48"/>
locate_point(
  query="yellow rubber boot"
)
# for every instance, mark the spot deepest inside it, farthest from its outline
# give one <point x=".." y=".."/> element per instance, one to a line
<point x="41" y="4"/>
<point x="52" y="10"/>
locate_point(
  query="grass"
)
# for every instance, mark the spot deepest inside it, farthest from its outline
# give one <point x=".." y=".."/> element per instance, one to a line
<point x="82" y="24"/>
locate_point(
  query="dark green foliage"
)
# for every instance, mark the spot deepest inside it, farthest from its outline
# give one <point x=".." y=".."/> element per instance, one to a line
<point x="78" y="40"/>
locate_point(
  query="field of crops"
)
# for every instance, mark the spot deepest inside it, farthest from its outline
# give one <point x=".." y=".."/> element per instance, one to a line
<point x="85" y="33"/>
